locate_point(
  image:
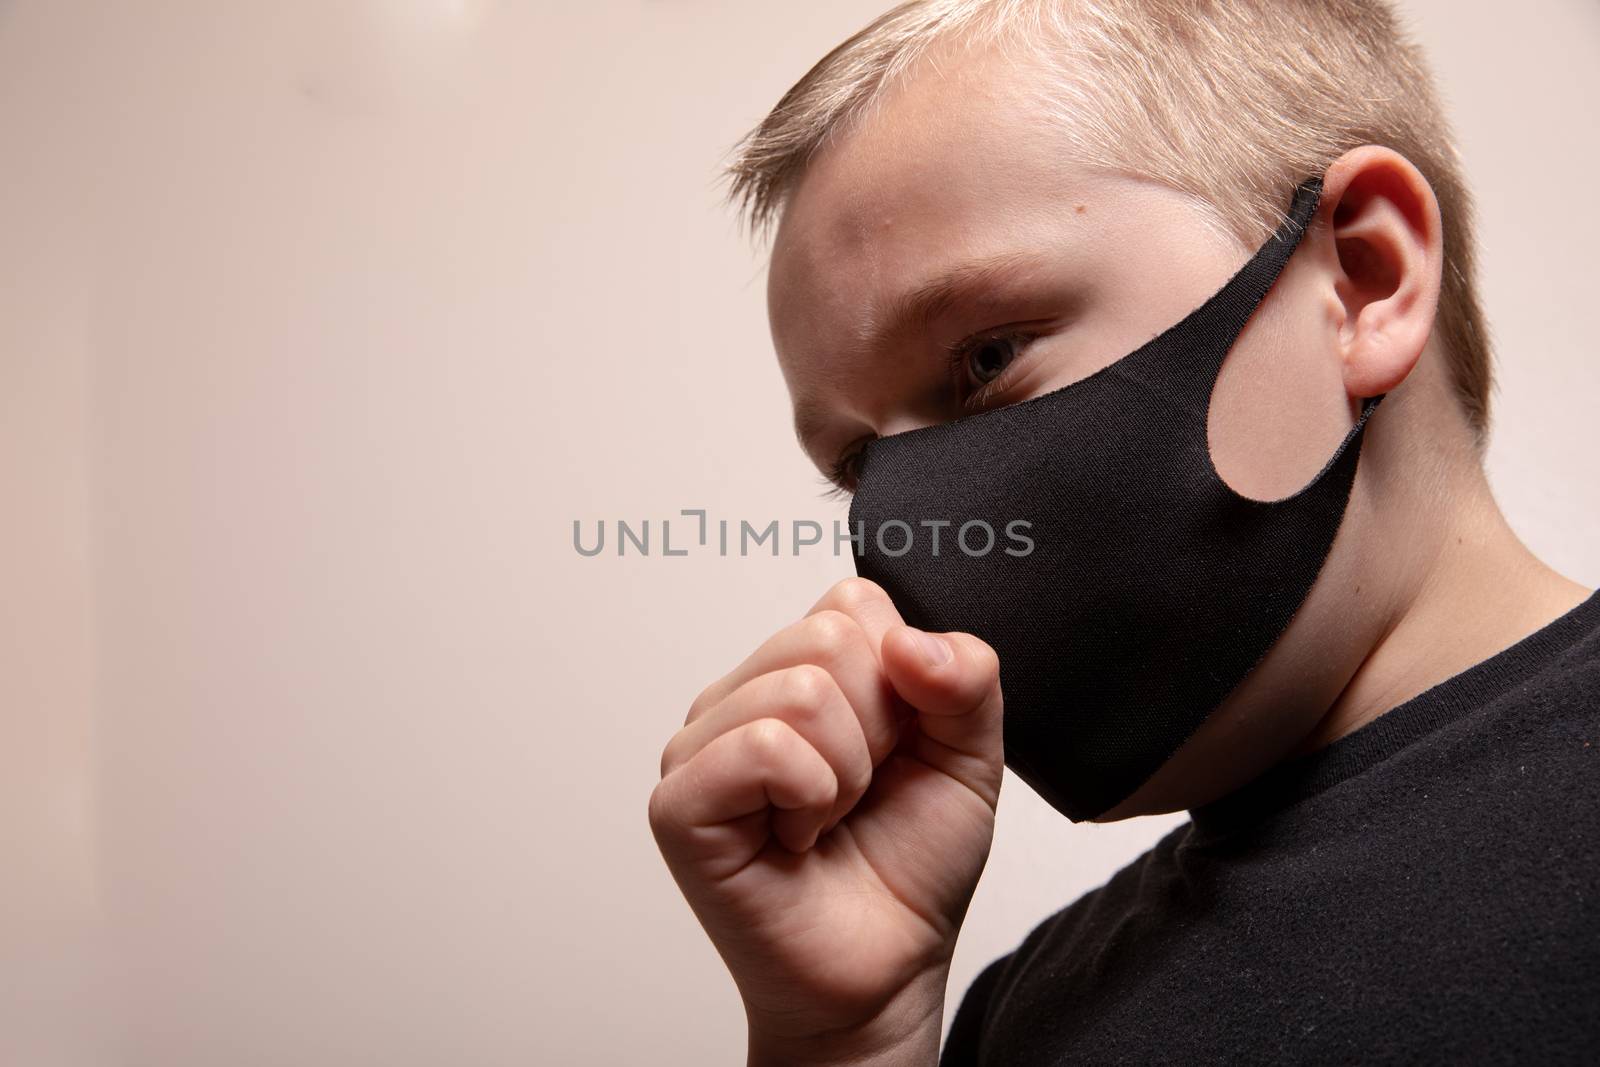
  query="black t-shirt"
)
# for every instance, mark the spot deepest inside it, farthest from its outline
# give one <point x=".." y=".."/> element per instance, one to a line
<point x="1425" y="889"/>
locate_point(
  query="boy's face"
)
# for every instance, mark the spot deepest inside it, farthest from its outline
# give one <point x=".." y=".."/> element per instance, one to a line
<point x="946" y="256"/>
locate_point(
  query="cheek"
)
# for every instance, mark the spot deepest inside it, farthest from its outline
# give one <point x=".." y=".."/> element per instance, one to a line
<point x="1280" y="408"/>
<point x="1056" y="360"/>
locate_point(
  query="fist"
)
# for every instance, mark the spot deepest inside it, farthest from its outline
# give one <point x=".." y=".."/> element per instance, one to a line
<point x="827" y="809"/>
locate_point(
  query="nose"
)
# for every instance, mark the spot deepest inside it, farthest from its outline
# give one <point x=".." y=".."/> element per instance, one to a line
<point x="888" y="427"/>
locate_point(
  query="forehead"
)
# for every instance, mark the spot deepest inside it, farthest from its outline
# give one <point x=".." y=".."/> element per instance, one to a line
<point x="953" y="165"/>
<point x="956" y="148"/>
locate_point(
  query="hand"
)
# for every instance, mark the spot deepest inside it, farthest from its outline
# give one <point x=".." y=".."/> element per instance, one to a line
<point x="827" y="809"/>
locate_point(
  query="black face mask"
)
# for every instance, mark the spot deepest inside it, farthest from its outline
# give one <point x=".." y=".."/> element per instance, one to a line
<point x="1151" y="588"/>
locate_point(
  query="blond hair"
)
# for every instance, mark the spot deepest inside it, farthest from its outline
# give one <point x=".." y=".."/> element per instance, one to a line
<point x="1231" y="101"/>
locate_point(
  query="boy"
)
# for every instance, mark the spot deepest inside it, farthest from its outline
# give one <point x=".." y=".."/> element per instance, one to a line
<point x="1377" y="705"/>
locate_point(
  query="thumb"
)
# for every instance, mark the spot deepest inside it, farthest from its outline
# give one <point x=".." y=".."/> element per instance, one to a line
<point x="953" y="682"/>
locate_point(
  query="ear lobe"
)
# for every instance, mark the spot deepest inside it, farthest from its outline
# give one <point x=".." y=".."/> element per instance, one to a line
<point x="1386" y="230"/>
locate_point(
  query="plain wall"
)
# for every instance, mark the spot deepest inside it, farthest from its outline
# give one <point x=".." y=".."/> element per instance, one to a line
<point x="320" y="324"/>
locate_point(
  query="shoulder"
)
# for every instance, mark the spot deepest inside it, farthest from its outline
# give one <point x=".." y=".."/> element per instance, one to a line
<point x="1088" y="918"/>
<point x="1130" y="891"/>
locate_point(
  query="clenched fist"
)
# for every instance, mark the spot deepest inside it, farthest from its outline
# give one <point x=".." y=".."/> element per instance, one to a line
<point x="827" y="809"/>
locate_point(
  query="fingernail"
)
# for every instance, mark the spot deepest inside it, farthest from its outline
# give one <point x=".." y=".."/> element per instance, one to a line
<point x="936" y="650"/>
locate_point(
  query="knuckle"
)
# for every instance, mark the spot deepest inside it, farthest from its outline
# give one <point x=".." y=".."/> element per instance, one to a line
<point x="830" y="632"/>
<point x="699" y="705"/>
<point x="669" y="755"/>
<point x="857" y="592"/>
<point x="806" y="690"/>
<point x="659" y="811"/>
<point x="767" y="739"/>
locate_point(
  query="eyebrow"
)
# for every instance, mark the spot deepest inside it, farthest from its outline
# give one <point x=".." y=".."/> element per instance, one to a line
<point x="916" y="310"/>
<point x="919" y="308"/>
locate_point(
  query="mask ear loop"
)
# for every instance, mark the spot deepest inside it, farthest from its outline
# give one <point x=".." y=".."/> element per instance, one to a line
<point x="1184" y="362"/>
<point x="1337" y="475"/>
<point x="1330" y="486"/>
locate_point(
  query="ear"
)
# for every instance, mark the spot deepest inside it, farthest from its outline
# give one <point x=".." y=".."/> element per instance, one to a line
<point x="1385" y="224"/>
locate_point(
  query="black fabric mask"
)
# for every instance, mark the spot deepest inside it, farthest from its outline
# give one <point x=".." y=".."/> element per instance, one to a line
<point x="1151" y="589"/>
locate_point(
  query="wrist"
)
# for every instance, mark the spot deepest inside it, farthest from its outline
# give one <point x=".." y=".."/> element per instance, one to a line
<point x="904" y="1034"/>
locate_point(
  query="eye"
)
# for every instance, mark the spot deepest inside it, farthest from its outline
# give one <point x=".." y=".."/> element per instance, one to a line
<point x="988" y="358"/>
<point x="983" y="367"/>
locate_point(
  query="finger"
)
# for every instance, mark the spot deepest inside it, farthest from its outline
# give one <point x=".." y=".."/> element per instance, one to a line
<point x="702" y="811"/>
<point x="864" y="601"/>
<point x="953" y="681"/>
<point x="805" y="697"/>
<point x="835" y="642"/>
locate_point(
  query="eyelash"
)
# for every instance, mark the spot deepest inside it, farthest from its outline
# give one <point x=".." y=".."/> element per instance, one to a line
<point x="963" y="349"/>
<point x="838" y="482"/>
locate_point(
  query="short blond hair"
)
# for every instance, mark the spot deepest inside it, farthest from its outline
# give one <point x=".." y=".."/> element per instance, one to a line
<point x="1231" y="101"/>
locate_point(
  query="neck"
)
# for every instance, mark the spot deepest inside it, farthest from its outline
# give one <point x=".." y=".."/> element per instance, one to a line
<point x="1475" y="590"/>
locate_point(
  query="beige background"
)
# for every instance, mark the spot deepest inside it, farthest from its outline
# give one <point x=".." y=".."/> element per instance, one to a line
<point x="319" y="324"/>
